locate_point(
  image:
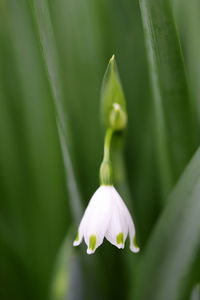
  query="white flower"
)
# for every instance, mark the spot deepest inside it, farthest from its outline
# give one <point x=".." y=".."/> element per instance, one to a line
<point x="106" y="216"/>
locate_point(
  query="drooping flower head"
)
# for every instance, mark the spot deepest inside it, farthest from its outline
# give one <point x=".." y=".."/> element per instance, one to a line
<point x="106" y="216"/>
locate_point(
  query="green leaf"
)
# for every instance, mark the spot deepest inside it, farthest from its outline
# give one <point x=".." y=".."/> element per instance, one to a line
<point x="175" y="117"/>
<point x="61" y="275"/>
<point x="81" y="66"/>
<point x="52" y="62"/>
<point x="34" y="207"/>
<point x="189" y="32"/>
<point x="164" y="272"/>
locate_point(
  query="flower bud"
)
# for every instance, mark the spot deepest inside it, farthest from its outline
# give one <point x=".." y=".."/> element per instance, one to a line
<point x="118" y="118"/>
<point x="113" y="104"/>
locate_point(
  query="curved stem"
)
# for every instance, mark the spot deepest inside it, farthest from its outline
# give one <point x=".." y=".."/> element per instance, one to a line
<point x="105" y="171"/>
<point x="107" y="143"/>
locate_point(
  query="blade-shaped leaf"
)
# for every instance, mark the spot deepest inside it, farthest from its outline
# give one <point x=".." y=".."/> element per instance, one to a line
<point x="175" y="117"/>
<point x="189" y="32"/>
<point x="46" y="34"/>
<point x="173" y="248"/>
<point x="34" y="210"/>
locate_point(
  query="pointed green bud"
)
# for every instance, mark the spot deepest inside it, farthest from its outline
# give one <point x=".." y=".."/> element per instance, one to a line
<point x="113" y="104"/>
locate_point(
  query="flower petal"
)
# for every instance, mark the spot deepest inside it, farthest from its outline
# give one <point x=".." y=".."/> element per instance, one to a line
<point x="117" y="228"/>
<point x="96" y="218"/>
<point x="131" y="227"/>
<point x="77" y="240"/>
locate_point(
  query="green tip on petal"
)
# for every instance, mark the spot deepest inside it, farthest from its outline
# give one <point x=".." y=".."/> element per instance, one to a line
<point x="76" y="241"/>
<point x="92" y="242"/>
<point x="77" y="238"/>
<point x="120" y="238"/>
<point x="135" y="242"/>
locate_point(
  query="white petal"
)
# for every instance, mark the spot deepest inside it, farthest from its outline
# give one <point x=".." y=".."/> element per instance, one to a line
<point x="132" y="236"/>
<point x="131" y="227"/>
<point x="96" y="219"/>
<point x="116" y="234"/>
<point x="99" y="216"/>
<point x="81" y="228"/>
<point x="133" y="245"/>
<point x="118" y="226"/>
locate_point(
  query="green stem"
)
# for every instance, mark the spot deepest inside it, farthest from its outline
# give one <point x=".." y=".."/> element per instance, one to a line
<point x="106" y="167"/>
<point x="107" y="143"/>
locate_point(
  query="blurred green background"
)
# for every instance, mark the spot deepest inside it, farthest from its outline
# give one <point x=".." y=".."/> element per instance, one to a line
<point x="53" y="55"/>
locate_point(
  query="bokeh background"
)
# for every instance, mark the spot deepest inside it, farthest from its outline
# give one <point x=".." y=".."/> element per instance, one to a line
<point x="53" y="55"/>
